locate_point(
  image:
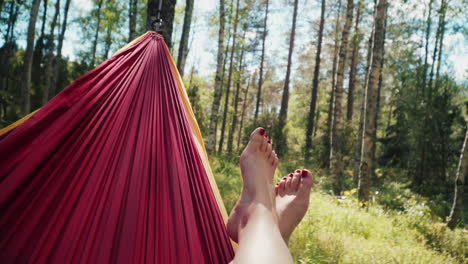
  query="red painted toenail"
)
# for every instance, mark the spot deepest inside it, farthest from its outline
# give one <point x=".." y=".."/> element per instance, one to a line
<point x="298" y="171"/>
<point x="269" y="141"/>
<point x="262" y="131"/>
<point x="304" y="173"/>
<point x="290" y="174"/>
<point x="266" y="135"/>
<point x="284" y="178"/>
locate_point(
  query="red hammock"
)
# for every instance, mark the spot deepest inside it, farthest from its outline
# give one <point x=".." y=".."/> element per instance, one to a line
<point x="113" y="169"/>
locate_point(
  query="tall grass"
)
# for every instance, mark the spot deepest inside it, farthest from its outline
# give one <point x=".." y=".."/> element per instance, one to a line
<point x="397" y="228"/>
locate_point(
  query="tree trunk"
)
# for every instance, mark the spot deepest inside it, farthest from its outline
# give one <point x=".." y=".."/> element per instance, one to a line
<point x="326" y="141"/>
<point x="281" y="137"/>
<point x="336" y="154"/>
<point x="262" y="59"/>
<point x="366" y="167"/>
<point x="183" y="47"/>
<point x="58" y="64"/>
<point x="132" y="20"/>
<point x="359" y="135"/>
<point x="44" y="20"/>
<point x="46" y="95"/>
<point x="107" y="41"/>
<point x="28" y="57"/>
<point x="217" y="83"/>
<point x="443" y="11"/>
<point x="13" y="17"/>
<point x="315" y="83"/>
<point x="354" y="62"/>
<point x="228" y="88"/>
<point x="462" y="171"/>
<point x="244" y="107"/>
<point x="236" y="102"/>
<point x="379" y="92"/>
<point x="96" y="34"/>
<point x="167" y="15"/>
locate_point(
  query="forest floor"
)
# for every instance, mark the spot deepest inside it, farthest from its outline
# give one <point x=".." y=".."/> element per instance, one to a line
<point x="336" y="230"/>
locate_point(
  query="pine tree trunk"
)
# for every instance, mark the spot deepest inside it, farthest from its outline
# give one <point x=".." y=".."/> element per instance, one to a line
<point x="262" y="59"/>
<point x="336" y="155"/>
<point x="96" y="34"/>
<point x="326" y="140"/>
<point x="217" y="83"/>
<point x="44" y="20"/>
<point x="366" y="167"/>
<point x="49" y="74"/>
<point x="228" y="88"/>
<point x="244" y="107"/>
<point x="167" y="15"/>
<point x="315" y="84"/>
<point x="13" y="17"/>
<point x="281" y="136"/>
<point x="61" y="37"/>
<point x="359" y="135"/>
<point x="236" y="103"/>
<point x="443" y="11"/>
<point x="28" y="57"/>
<point x="354" y="62"/>
<point x="183" y="47"/>
<point x="462" y="171"/>
<point x="132" y="20"/>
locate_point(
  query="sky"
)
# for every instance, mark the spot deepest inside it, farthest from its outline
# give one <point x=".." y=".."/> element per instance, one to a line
<point x="203" y="45"/>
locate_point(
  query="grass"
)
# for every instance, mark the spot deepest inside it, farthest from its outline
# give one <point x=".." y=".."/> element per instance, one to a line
<point x="336" y="230"/>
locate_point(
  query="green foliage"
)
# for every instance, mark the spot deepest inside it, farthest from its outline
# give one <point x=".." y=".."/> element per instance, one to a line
<point x="399" y="226"/>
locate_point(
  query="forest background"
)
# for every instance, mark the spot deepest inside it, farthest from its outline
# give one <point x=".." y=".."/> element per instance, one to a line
<point x="370" y="95"/>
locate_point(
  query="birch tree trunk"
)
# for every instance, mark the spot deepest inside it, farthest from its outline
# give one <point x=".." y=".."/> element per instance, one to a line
<point x="28" y="57"/>
<point x="281" y="136"/>
<point x="212" y="128"/>
<point x="315" y="83"/>
<point x="183" y="47"/>
<point x="462" y="171"/>
<point x="336" y="154"/>
<point x="366" y="166"/>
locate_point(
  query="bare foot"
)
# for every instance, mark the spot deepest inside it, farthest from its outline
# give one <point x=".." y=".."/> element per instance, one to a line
<point x="292" y="200"/>
<point x="258" y="163"/>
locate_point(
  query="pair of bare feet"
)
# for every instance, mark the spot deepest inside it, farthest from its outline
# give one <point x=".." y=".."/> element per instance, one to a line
<point x="287" y="201"/>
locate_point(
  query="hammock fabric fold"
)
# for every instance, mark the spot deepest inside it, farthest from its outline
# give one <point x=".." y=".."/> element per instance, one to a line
<point x="112" y="170"/>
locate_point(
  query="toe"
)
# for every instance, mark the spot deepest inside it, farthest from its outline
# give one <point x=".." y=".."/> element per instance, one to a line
<point x="296" y="181"/>
<point x="282" y="186"/>
<point x="275" y="161"/>
<point x="289" y="188"/>
<point x="307" y="182"/>
<point x="257" y="136"/>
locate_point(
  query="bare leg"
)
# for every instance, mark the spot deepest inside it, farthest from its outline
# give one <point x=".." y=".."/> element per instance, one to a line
<point x="254" y="220"/>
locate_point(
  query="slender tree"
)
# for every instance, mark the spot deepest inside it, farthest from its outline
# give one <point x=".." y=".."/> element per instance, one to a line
<point x="167" y="16"/>
<point x="49" y="74"/>
<point x="132" y="19"/>
<point x="315" y="83"/>
<point x="366" y="166"/>
<point x="228" y="88"/>
<point x="212" y="128"/>
<point x="183" y="47"/>
<point x="244" y="107"/>
<point x="336" y="153"/>
<point x="360" y="128"/>
<point x="236" y="100"/>
<point x="462" y="171"/>
<point x="281" y="137"/>
<point x="96" y="34"/>
<point x="28" y="57"/>
<point x="354" y="61"/>
<point x="58" y="64"/>
<point x="262" y="59"/>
